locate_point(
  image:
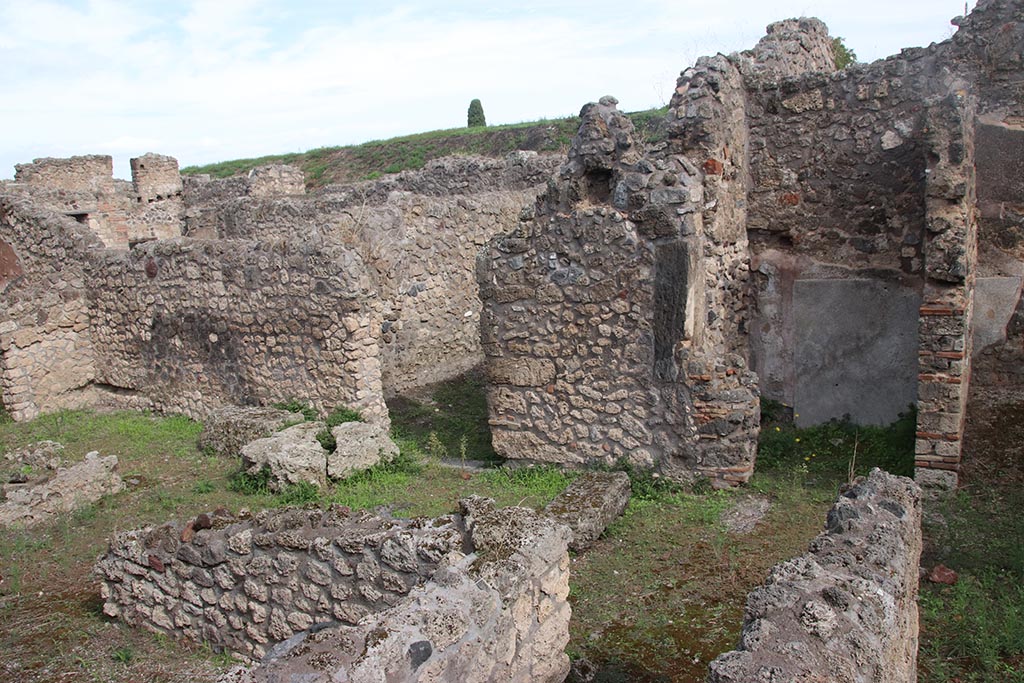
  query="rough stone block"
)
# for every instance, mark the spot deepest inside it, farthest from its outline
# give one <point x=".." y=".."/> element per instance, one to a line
<point x="360" y="446"/>
<point x="521" y="372"/>
<point x="294" y="455"/>
<point x="589" y="504"/>
<point x="227" y="429"/>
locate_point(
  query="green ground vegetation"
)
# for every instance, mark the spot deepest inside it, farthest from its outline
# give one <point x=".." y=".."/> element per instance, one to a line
<point x="373" y="159"/>
<point x="659" y="595"/>
<point x="973" y="631"/>
<point x="662" y="593"/>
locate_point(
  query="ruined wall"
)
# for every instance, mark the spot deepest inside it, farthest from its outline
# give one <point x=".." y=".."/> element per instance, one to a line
<point x="846" y="611"/>
<point x="193" y="325"/>
<point x="601" y="344"/>
<point x="418" y="233"/>
<point x="119" y="213"/>
<point x="476" y="596"/>
<point x="836" y="218"/>
<point x="82" y="187"/>
<point x="157" y="187"/>
<point x="996" y="63"/>
<point x="248" y="583"/>
<point x="46" y="347"/>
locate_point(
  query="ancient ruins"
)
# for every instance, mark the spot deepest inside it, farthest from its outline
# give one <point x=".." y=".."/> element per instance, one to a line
<point x="820" y="238"/>
<point x="848" y="243"/>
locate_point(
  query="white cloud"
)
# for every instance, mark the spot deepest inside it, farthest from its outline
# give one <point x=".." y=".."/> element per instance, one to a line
<point x="219" y="79"/>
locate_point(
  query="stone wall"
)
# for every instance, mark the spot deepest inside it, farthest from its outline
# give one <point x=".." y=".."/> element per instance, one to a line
<point x="846" y="611"/>
<point x="601" y="342"/>
<point x="194" y="325"/>
<point x="254" y="316"/>
<point x="119" y="213"/>
<point x="247" y="584"/>
<point x="205" y="198"/>
<point x="335" y="595"/>
<point x="82" y="187"/>
<point x="418" y="233"/>
<point x="46" y="348"/>
<point x="158" y="192"/>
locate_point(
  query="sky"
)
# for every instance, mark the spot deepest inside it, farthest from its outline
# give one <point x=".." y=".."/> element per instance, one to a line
<point x="211" y="80"/>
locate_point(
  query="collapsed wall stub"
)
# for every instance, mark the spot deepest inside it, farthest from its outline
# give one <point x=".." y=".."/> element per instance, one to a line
<point x="323" y="595"/>
<point x="847" y="609"/>
<point x="159" y="197"/>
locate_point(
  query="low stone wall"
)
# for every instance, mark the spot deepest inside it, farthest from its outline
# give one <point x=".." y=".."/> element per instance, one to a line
<point x="352" y="596"/>
<point x="248" y="583"/>
<point x="497" y="614"/>
<point x="846" y="611"/>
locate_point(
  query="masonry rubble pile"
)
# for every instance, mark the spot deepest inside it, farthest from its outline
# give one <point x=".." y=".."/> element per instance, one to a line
<point x="40" y="483"/>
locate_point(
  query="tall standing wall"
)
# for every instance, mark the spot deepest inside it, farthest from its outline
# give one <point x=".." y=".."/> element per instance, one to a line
<point x="195" y="325"/>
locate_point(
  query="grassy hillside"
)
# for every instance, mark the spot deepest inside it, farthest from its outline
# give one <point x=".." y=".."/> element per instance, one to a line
<point x="369" y="160"/>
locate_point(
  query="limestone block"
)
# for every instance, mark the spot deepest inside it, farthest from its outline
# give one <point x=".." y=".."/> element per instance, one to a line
<point x="360" y="445"/>
<point x="229" y="428"/>
<point x="589" y="504"/>
<point x="293" y="455"/>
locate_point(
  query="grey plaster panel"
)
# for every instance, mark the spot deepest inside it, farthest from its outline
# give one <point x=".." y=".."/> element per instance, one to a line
<point x="995" y="299"/>
<point x="856" y="350"/>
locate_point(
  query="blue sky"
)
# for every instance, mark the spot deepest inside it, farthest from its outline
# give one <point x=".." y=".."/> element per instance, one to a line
<point x="208" y="80"/>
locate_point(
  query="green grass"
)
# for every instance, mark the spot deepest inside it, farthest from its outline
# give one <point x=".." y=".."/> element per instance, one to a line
<point x="974" y="631"/>
<point x="680" y="578"/>
<point x="437" y="424"/>
<point x="375" y="158"/>
<point x="658" y="597"/>
<point x="829" y="449"/>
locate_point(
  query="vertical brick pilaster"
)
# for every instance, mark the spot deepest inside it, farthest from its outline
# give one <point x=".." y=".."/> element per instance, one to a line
<point x="944" y="321"/>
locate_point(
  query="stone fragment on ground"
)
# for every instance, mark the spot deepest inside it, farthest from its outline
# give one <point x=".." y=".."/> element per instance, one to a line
<point x="229" y="428"/>
<point x="69" y="489"/>
<point x="293" y="456"/>
<point x="745" y="515"/>
<point x="361" y="445"/>
<point x="940" y="573"/>
<point x="32" y="464"/>
<point x="589" y="504"/>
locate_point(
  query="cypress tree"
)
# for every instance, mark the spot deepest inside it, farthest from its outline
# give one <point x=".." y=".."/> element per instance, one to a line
<point x="475" y="117"/>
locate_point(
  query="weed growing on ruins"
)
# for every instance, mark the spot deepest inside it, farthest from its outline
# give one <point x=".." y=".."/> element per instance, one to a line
<point x="437" y="421"/>
<point x="679" y="576"/>
<point x="308" y="412"/>
<point x="533" y="485"/>
<point x="844" y="56"/>
<point x="828" y="449"/>
<point x="646" y="485"/>
<point x="298" y="494"/>
<point x="339" y="415"/>
<point x="251" y="484"/>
